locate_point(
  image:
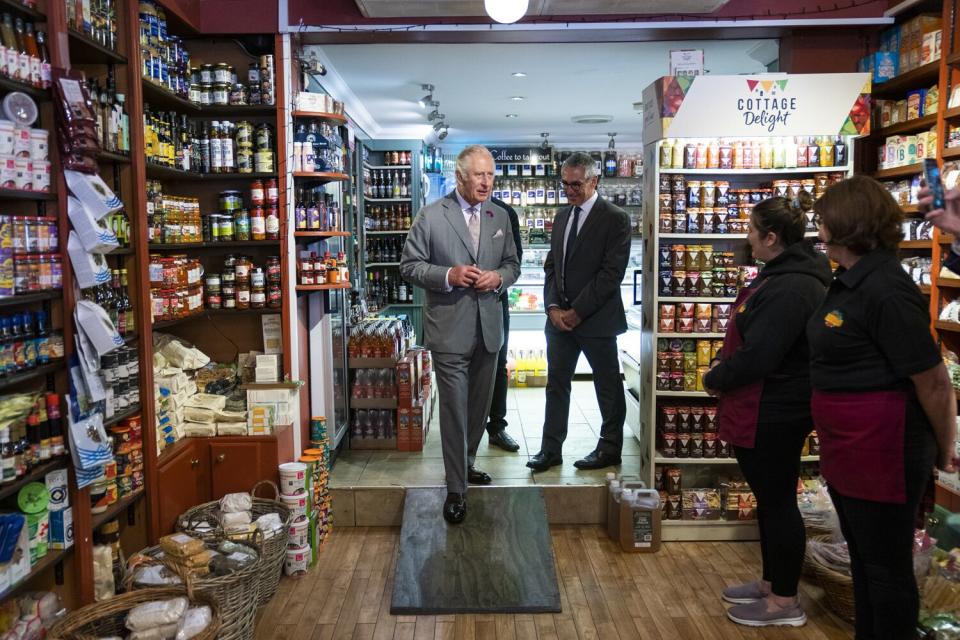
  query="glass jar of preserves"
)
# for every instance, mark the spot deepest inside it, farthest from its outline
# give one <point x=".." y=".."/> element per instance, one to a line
<point x="238" y="95"/>
<point x="256" y="193"/>
<point x="272" y="192"/>
<point x="273" y="224"/>
<point x="222" y="73"/>
<point x="221" y="94"/>
<point x="244" y="135"/>
<point x="230" y="201"/>
<point x="241" y="224"/>
<point x="258" y="224"/>
<point x="226" y="228"/>
<point x="274" y="296"/>
<point x="206" y="74"/>
<point x="206" y="94"/>
<point x="273" y="270"/>
<point x="194" y="92"/>
<point x="244" y="160"/>
<point x="263" y="137"/>
<point x="243" y="296"/>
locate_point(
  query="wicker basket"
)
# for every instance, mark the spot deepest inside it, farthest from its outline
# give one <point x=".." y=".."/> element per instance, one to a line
<point x="207" y="517"/>
<point x="237" y="594"/>
<point x="107" y="618"/>
<point x="837" y="586"/>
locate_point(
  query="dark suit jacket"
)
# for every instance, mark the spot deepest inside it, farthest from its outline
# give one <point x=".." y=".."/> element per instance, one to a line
<point x="515" y="224"/>
<point x="594" y="271"/>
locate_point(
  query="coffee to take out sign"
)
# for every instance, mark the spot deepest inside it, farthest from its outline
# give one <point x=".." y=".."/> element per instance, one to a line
<point x="755" y="106"/>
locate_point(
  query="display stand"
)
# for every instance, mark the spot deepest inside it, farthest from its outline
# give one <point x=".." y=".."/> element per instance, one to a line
<point x="688" y="111"/>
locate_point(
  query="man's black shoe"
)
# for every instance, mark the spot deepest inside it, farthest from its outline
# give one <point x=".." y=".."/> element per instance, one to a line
<point x="503" y="440"/>
<point x="455" y="508"/>
<point x="543" y="461"/>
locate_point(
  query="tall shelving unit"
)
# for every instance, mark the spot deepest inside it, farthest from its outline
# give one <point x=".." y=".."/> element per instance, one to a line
<point x="661" y="238"/>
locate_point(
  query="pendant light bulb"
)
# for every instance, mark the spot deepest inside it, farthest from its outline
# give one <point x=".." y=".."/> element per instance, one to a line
<point x="506" y="11"/>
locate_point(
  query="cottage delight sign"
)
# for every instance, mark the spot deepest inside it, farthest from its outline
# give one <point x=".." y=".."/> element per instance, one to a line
<point x="779" y="105"/>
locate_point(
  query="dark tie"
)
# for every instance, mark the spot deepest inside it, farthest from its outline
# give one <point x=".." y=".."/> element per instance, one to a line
<point x="571" y="238"/>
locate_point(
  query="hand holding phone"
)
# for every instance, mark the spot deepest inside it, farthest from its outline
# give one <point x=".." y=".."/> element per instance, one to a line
<point x="931" y="175"/>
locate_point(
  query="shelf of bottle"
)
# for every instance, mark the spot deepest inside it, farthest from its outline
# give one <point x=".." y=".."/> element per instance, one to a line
<point x="26" y="12"/>
<point x="366" y="199"/>
<point x="398" y="232"/>
<point x="159" y="172"/>
<point x="29" y="298"/>
<point x="123" y="415"/>
<point x="114" y="510"/>
<point x="36" y="475"/>
<point x="321" y="115"/>
<point x="899" y="172"/>
<point x="752" y="172"/>
<point x="54" y="556"/>
<point x="85" y="50"/>
<point x="313" y="235"/>
<point x="377" y="167"/>
<point x="950" y="153"/>
<point x="909" y="126"/>
<point x="33" y="374"/>
<point x="8" y="84"/>
<point x="310" y="288"/>
<point x="898" y="86"/>
<point x="19" y="194"/>
<point x="114" y="158"/>
<point x="189" y="246"/>
<point x="694" y="336"/>
<point x="370" y="265"/>
<point x="157" y="95"/>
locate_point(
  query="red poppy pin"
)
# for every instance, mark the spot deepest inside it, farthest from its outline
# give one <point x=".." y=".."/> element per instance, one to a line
<point x="490" y="213"/>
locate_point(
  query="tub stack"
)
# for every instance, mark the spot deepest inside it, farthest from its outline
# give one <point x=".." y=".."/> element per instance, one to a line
<point x="295" y="488"/>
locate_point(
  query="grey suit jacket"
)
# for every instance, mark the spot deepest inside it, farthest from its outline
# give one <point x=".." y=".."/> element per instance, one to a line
<point x="439" y="239"/>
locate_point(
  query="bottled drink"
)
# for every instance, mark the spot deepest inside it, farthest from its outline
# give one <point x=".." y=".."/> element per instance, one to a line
<point x="610" y="160"/>
<point x="46" y="74"/>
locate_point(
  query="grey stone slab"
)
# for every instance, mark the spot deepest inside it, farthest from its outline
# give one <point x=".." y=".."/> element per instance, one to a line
<point x="499" y="560"/>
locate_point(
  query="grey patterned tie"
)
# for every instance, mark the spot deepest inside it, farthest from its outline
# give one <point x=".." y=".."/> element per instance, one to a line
<point x="475" y="228"/>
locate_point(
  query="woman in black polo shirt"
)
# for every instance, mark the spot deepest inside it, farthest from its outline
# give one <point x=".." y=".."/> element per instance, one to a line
<point x="883" y="404"/>
<point x="763" y="384"/>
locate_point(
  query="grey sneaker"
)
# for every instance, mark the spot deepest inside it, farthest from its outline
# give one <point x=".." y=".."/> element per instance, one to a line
<point x="755" y="614"/>
<point x="744" y="593"/>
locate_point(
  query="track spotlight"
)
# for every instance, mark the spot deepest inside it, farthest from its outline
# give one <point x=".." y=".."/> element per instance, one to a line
<point x="427" y="99"/>
<point x="443" y="134"/>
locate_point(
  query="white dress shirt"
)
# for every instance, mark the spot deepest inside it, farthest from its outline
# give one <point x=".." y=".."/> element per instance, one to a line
<point x="467" y="210"/>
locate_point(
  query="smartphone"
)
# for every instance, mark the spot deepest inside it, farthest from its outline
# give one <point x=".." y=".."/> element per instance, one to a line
<point x="931" y="174"/>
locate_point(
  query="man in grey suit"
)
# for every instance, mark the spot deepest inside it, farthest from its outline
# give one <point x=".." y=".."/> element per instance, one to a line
<point x="588" y="255"/>
<point x="460" y="249"/>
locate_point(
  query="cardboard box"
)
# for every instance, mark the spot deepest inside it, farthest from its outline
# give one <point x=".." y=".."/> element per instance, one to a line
<point x="61" y="528"/>
<point x="93" y="193"/>
<point x="881" y="65"/>
<point x="930" y="47"/>
<point x="94" y="236"/>
<point x="91" y="269"/>
<point x="266" y="374"/>
<point x="58" y="487"/>
<point x="890" y="39"/>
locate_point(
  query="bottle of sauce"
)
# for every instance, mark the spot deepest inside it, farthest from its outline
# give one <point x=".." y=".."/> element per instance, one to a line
<point x="258" y="291"/>
<point x="46" y="74"/>
<point x="11" y="60"/>
<point x="23" y="57"/>
<point x="273" y="223"/>
<point x="33" y="51"/>
<point x="216" y="149"/>
<point x="56" y="425"/>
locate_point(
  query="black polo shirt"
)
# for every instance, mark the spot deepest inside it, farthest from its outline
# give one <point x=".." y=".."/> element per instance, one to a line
<point x="872" y="331"/>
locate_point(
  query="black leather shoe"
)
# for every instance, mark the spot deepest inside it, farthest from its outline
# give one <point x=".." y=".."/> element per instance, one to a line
<point x="503" y="440"/>
<point x="543" y="461"/>
<point x="455" y="508"/>
<point x="475" y="476"/>
<point x="597" y="460"/>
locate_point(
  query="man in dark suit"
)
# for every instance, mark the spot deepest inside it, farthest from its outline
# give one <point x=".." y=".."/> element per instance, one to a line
<point x="497" y="421"/>
<point x="588" y="255"/>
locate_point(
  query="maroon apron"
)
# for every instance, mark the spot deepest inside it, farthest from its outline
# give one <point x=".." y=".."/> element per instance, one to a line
<point x="861" y="443"/>
<point x="739" y="409"/>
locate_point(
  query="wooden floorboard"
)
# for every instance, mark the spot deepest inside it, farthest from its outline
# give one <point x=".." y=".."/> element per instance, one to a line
<point x="605" y="595"/>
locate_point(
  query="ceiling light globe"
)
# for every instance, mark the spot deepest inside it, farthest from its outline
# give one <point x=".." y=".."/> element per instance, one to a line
<point x="506" y="11"/>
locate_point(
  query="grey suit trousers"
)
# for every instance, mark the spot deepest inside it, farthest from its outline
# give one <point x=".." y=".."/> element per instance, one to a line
<point x="465" y="388"/>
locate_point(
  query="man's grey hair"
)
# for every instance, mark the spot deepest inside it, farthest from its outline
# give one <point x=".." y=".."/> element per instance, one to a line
<point x="580" y="159"/>
<point x="472" y="150"/>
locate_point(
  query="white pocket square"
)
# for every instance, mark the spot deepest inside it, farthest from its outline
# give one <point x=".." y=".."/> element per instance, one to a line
<point x="498" y="234"/>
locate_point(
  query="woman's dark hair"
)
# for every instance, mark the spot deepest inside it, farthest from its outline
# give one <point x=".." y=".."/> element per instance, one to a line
<point x="861" y="215"/>
<point x="782" y="216"/>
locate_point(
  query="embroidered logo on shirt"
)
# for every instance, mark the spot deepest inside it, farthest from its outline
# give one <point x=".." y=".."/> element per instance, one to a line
<point x="834" y="319"/>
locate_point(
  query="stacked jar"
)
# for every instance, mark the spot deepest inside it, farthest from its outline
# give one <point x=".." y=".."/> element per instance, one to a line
<point x="243" y="285"/>
<point x="165" y="60"/>
<point x="312" y="269"/>
<point x="176" y="286"/>
<point x="127" y="437"/>
<point x="263" y="148"/>
<point x="24" y="158"/>
<point x="120" y="372"/>
<point x="176" y="220"/>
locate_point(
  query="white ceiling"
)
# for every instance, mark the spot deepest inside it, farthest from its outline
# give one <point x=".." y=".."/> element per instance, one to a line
<point x="382" y="83"/>
<point x="446" y="8"/>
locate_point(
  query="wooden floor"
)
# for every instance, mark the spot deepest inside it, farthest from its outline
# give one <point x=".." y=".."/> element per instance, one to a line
<point x="605" y="594"/>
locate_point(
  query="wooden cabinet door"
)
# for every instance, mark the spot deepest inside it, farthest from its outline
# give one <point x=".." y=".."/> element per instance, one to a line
<point x="184" y="482"/>
<point x="237" y="466"/>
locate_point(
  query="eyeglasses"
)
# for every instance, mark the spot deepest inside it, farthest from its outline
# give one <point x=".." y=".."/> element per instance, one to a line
<point x="817" y="219"/>
<point x="575" y="186"/>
